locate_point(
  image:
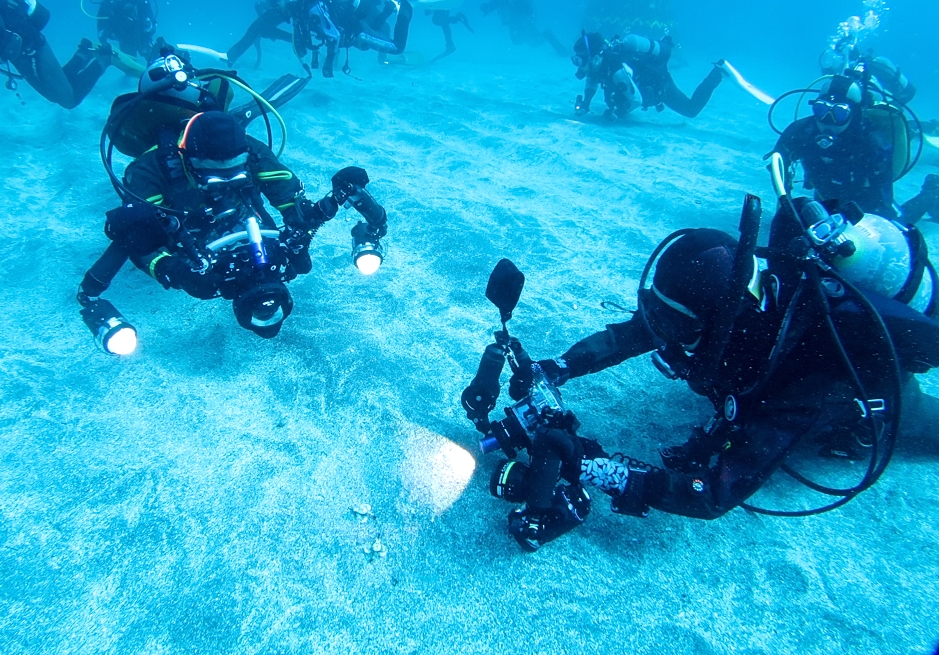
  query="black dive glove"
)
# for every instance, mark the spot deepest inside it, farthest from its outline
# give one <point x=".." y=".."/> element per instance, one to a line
<point x="176" y="272"/>
<point x="555" y="371"/>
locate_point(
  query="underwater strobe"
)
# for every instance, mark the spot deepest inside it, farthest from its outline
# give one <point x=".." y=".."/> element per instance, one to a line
<point x="349" y="191"/>
<point x="113" y="334"/>
<point x="367" y="251"/>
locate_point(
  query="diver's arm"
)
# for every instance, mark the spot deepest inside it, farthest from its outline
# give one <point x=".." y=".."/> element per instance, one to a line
<point x="277" y="182"/>
<point x="881" y="175"/>
<point x="616" y="344"/>
<point x="591" y="84"/>
<point x="786" y="147"/>
<point x="144" y="178"/>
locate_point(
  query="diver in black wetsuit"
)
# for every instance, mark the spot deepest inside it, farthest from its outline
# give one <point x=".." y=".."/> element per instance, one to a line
<point x="131" y="23"/>
<point x="633" y="72"/>
<point x="271" y="15"/>
<point x="194" y="219"/>
<point x="519" y="17"/>
<point x="848" y="156"/>
<point x="442" y="19"/>
<point x="349" y="24"/>
<point x="789" y="353"/>
<point x="23" y="45"/>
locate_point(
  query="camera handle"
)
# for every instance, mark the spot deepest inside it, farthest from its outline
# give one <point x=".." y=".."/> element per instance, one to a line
<point x="176" y="229"/>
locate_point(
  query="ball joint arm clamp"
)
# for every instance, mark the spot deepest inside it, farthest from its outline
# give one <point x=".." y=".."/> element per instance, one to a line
<point x="349" y="191"/>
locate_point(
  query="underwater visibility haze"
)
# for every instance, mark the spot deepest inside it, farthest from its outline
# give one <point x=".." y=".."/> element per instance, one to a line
<point x="289" y="468"/>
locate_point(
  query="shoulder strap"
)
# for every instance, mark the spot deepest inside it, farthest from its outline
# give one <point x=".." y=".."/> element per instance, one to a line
<point x="920" y="258"/>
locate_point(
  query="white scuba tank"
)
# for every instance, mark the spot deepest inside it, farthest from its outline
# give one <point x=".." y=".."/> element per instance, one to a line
<point x="883" y="260"/>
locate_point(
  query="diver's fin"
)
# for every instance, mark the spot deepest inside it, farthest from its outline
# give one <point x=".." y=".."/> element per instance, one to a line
<point x="445" y="53"/>
<point x="726" y="67"/>
<point x="126" y="64"/>
<point x="279" y="93"/>
<point x="221" y="56"/>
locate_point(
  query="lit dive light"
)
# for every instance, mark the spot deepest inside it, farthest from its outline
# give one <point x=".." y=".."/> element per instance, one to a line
<point x="113" y="334"/>
<point x="367" y="251"/>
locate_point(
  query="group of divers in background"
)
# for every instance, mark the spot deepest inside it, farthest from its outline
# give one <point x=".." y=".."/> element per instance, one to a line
<point x="806" y="346"/>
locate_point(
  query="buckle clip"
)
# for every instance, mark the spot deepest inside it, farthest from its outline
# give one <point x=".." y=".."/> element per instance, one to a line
<point x="878" y="405"/>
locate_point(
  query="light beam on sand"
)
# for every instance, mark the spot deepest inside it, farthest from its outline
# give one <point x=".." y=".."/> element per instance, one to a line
<point x="435" y="470"/>
<point x="765" y="98"/>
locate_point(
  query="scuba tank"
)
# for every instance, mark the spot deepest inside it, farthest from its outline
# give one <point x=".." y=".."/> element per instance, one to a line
<point x="875" y="254"/>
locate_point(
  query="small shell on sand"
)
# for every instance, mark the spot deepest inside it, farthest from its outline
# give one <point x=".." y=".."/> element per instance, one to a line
<point x="376" y="548"/>
<point x="362" y="509"/>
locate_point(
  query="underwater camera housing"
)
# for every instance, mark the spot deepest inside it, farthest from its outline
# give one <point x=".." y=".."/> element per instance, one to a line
<point x="517" y="430"/>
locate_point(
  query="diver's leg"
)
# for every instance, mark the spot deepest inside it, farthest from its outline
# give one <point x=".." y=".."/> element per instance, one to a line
<point x="43" y="72"/>
<point x="368" y="39"/>
<point x="691" y="107"/>
<point x="83" y="70"/>
<point x="448" y="37"/>
<point x="265" y="24"/>
<point x="555" y="43"/>
<point x="405" y="13"/>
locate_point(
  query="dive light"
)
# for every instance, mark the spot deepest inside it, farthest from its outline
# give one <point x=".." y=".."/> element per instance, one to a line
<point x="367" y="251"/>
<point x="113" y="334"/>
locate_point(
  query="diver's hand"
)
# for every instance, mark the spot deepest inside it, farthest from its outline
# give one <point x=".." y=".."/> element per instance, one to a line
<point x="931" y="184"/>
<point x="520" y="383"/>
<point x="581" y="106"/>
<point x="175" y="272"/>
<point x="555" y="372"/>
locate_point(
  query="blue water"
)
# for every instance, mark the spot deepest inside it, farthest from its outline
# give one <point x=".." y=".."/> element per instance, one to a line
<point x="198" y="496"/>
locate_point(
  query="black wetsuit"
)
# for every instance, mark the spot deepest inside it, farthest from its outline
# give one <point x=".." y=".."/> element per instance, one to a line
<point x="64" y="85"/>
<point x="857" y="167"/>
<point x="129" y="22"/>
<point x="138" y="235"/>
<point x="649" y="62"/>
<point x="807" y="394"/>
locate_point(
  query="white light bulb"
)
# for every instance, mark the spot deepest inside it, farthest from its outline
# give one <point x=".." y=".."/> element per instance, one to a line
<point x="122" y="342"/>
<point x="368" y="263"/>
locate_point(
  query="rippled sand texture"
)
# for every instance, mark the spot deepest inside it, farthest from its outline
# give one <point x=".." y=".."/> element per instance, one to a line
<point x="196" y="497"/>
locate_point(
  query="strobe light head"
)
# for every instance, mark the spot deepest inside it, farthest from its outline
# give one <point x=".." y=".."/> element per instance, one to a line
<point x="113" y="334"/>
<point x="367" y="251"/>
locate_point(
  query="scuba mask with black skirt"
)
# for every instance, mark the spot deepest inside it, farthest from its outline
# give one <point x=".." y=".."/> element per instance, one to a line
<point x="677" y="328"/>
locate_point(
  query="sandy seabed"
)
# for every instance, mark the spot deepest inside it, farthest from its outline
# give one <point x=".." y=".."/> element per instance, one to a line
<point x="196" y="497"/>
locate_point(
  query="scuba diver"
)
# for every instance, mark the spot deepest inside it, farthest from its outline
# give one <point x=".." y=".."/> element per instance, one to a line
<point x="442" y="19"/>
<point x="853" y="149"/>
<point x="519" y="17"/>
<point x="23" y="46"/>
<point x="633" y="72"/>
<point x="192" y="214"/>
<point x="360" y="24"/>
<point x="271" y="15"/>
<point x="131" y="23"/>
<point x="805" y="343"/>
